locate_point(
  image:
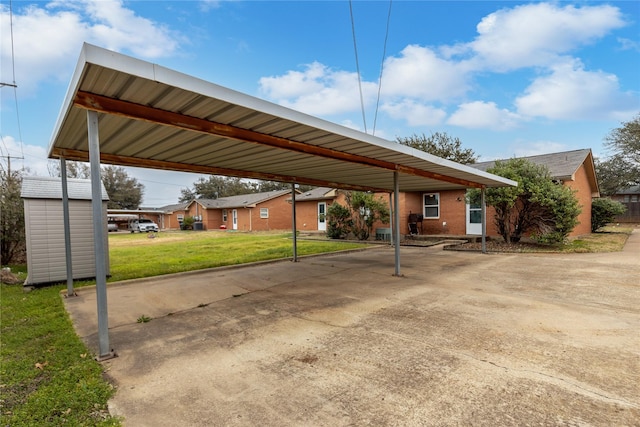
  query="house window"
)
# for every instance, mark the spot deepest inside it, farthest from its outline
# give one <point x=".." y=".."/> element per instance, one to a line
<point x="224" y="215"/>
<point x="264" y="212"/>
<point x="432" y="205"/>
<point x="634" y="198"/>
<point x="180" y="217"/>
<point x="626" y="199"/>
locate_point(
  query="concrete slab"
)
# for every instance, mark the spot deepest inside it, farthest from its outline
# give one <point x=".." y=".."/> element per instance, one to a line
<point x="459" y="339"/>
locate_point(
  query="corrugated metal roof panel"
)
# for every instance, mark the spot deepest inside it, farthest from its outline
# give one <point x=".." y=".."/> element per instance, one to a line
<point x="155" y="117"/>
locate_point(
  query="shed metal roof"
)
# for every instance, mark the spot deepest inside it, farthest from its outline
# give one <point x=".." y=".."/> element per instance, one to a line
<point x="40" y="187"/>
<point x="154" y="117"/>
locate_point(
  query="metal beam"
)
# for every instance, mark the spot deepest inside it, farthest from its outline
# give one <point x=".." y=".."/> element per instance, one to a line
<point x="98" y="238"/>
<point x="483" y="208"/>
<point x="103" y="104"/>
<point x="293" y="220"/>
<point x="67" y="227"/>
<point x="113" y="159"/>
<point x="396" y="221"/>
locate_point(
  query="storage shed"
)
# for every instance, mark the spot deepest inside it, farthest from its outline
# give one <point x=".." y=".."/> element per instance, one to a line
<point x="44" y="227"/>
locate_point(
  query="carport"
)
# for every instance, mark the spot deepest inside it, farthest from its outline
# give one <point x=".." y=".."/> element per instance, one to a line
<point x="123" y="111"/>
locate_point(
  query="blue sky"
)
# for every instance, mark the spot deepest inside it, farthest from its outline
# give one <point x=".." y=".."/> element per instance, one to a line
<point x="508" y="78"/>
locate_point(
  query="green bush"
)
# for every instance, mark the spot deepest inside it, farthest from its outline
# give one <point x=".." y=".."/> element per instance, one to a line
<point x="604" y="211"/>
<point x="339" y="221"/>
<point x="187" y="223"/>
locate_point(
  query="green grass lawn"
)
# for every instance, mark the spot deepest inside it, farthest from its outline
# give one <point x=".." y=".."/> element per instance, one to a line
<point x="137" y="255"/>
<point x="47" y="375"/>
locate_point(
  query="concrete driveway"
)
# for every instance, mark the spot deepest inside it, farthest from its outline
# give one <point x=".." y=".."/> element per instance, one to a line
<point x="460" y="339"/>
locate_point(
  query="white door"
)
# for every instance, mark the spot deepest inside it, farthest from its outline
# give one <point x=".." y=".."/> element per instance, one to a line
<point x="322" y="216"/>
<point x="234" y="219"/>
<point x="474" y="218"/>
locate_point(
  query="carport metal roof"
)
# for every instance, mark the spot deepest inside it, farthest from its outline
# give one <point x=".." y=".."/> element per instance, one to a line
<point x="154" y="117"/>
<point x="124" y="111"/>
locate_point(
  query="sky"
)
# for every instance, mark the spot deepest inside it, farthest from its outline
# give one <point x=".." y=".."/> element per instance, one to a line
<point x="507" y="78"/>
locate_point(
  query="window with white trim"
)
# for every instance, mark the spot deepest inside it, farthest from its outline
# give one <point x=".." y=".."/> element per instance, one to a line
<point x="431" y="202"/>
<point x="180" y="217"/>
<point x="224" y="215"/>
<point x="264" y="212"/>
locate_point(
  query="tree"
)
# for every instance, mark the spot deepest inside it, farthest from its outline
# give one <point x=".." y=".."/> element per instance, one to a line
<point x="622" y="169"/>
<point x="357" y="217"/>
<point x="12" y="234"/>
<point x="79" y="170"/>
<point x="615" y="174"/>
<point x="441" y="145"/>
<point x="625" y="140"/>
<point x="339" y="221"/>
<point x="216" y="186"/>
<point x="537" y="205"/>
<point x="124" y="192"/>
<point x="604" y="211"/>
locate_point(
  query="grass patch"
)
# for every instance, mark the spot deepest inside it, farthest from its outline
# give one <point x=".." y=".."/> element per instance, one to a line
<point x="607" y="239"/>
<point x="47" y="375"/>
<point x="135" y="255"/>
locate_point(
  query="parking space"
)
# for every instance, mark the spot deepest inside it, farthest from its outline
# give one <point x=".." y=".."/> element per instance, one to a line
<point x="459" y="339"/>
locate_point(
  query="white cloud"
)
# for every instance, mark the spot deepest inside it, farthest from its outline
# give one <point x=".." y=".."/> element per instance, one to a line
<point x="414" y="113"/>
<point x="32" y="157"/>
<point x="318" y="90"/>
<point x="570" y="92"/>
<point x="536" y="34"/>
<point x="47" y="40"/>
<point x="483" y="115"/>
<point x="419" y="73"/>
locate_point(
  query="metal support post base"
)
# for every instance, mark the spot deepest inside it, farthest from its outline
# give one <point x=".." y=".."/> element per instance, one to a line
<point x="111" y="355"/>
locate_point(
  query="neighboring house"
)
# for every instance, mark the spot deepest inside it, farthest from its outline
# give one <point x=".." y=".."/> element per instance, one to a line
<point x="630" y="197"/>
<point x="248" y="212"/>
<point x="311" y="208"/>
<point x="447" y="212"/>
<point x="44" y="229"/>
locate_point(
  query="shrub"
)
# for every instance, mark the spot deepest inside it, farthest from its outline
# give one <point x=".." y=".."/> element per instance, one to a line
<point x="339" y="221"/>
<point x="604" y="211"/>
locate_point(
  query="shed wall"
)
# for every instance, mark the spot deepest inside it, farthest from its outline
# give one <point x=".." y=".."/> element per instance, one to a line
<point x="44" y="227"/>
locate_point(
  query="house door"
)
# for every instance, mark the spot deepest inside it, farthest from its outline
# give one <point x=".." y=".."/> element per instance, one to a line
<point x="234" y="219"/>
<point x="474" y="217"/>
<point x="322" y="216"/>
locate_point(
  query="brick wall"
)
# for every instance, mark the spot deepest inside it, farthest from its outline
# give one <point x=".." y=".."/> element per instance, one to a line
<point x="581" y="184"/>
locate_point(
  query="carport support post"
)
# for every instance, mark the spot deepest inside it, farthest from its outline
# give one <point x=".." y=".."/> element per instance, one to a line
<point x="98" y="237"/>
<point x="483" y="210"/>
<point x="67" y="227"/>
<point x="293" y="221"/>
<point x="396" y="220"/>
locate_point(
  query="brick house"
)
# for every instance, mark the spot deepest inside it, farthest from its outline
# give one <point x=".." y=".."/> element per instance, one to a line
<point x="447" y="212"/>
<point x="311" y="208"/>
<point x="248" y="212"/>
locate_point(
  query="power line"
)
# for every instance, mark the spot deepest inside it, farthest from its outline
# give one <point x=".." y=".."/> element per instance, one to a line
<point x="15" y="88"/>
<point x="384" y="53"/>
<point x="355" y="48"/>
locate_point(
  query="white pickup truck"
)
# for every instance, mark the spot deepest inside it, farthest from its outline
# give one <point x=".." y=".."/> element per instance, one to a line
<point x="142" y="225"/>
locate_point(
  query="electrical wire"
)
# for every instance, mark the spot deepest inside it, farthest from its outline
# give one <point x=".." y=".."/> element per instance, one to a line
<point x="14" y="85"/>
<point x="355" y="48"/>
<point x="384" y="54"/>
